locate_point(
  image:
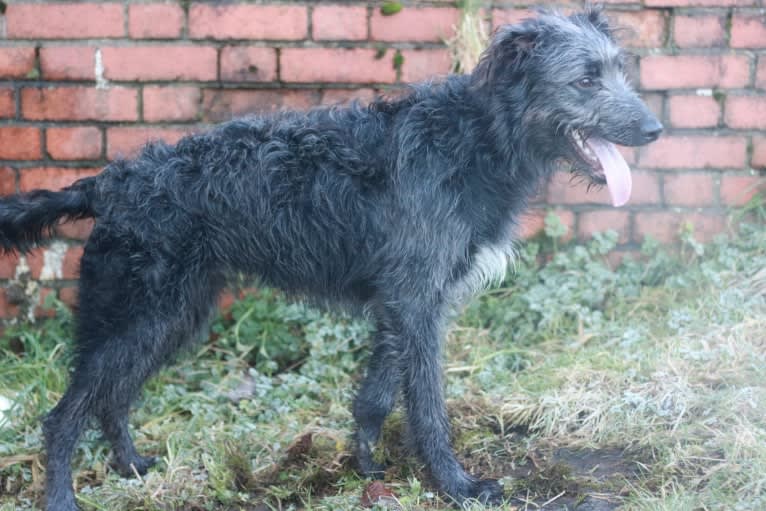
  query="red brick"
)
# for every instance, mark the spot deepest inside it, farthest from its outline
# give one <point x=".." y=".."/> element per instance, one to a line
<point x="160" y="63"/>
<point x="665" y="226"/>
<point x="7" y="181"/>
<point x="698" y="3"/>
<point x="592" y="222"/>
<point x="629" y="153"/>
<point x="509" y="16"/>
<point x="699" y="31"/>
<point x="644" y="29"/>
<point x="81" y="143"/>
<point x="68" y="295"/>
<point x="338" y="96"/>
<point x="662" y="226"/>
<point x="689" y="189"/>
<point x="16" y="62"/>
<point x="64" y="20"/>
<point x="420" y="65"/>
<point x="357" y="65"/>
<point x="7" y="103"/>
<point x="737" y="190"/>
<point x="78" y="230"/>
<point x="646" y="188"/>
<point x="748" y="31"/>
<point x="689" y="71"/>
<point x="80" y="103"/>
<point x="51" y="178"/>
<point x="68" y="62"/>
<point x="759" y="153"/>
<point x="34" y="259"/>
<point x="221" y="105"/>
<point x="248" y="64"/>
<point x="40" y="310"/>
<point x="7" y="309"/>
<point x="694" y="111"/>
<point x="155" y="21"/>
<point x="695" y="152"/>
<point x="8" y="264"/>
<point x="748" y="112"/>
<point x="19" y="143"/>
<point x="129" y="140"/>
<point x="434" y="24"/>
<point x="70" y="268"/>
<point x="533" y="222"/>
<point x="171" y="103"/>
<point x="339" y="23"/>
<point x="244" y="21"/>
<point x="563" y="190"/>
<point x="760" y="73"/>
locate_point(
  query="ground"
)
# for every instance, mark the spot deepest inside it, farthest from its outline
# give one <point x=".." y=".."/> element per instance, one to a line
<point x="579" y="386"/>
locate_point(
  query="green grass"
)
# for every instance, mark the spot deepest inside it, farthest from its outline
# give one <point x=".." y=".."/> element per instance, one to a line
<point x="642" y="387"/>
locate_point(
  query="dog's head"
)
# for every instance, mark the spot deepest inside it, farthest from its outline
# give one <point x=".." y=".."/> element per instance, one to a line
<point x="564" y="78"/>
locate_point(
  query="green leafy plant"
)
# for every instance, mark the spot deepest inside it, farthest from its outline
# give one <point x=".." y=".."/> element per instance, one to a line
<point x="390" y="8"/>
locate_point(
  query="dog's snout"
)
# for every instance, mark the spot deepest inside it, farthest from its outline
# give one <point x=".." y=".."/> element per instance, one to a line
<point x="651" y="129"/>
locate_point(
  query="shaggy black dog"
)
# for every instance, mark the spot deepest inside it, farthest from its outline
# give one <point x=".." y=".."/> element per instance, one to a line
<point x="398" y="209"/>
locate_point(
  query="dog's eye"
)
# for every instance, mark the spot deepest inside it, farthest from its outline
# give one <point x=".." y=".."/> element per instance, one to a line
<point x="586" y="83"/>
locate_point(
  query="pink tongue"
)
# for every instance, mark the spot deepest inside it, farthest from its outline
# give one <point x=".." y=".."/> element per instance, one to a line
<point x="615" y="168"/>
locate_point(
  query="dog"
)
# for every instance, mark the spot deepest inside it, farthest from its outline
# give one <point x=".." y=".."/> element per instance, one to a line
<point x="400" y="208"/>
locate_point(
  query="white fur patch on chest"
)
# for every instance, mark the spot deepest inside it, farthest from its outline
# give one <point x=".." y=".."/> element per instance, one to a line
<point x="488" y="266"/>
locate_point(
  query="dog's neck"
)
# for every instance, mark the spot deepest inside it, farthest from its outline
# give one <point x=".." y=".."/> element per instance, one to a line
<point x="519" y="167"/>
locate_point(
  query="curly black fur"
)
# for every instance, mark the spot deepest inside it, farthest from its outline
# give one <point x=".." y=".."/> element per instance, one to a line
<point x="398" y="209"/>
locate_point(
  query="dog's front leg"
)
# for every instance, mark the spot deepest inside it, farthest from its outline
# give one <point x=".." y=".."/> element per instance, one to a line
<point x="429" y="424"/>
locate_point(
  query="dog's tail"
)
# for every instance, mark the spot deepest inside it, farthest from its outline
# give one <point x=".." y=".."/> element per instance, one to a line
<point x="26" y="218"/>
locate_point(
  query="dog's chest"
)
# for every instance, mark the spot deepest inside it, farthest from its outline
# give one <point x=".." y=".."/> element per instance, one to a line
<point x="488" y="265"/>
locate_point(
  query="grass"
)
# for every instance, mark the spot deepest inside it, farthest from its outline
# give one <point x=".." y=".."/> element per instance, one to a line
<point x="577" y="385"/>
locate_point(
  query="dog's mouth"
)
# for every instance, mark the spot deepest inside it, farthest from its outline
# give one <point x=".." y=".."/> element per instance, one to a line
<point x="605" y="163"/>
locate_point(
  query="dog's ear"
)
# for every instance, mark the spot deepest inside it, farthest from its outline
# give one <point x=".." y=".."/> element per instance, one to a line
<point x="594" y="14"/>
<point x="510" y="47"/>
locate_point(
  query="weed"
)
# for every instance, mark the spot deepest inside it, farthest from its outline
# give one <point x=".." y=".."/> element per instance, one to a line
<point x="390" y="8"/>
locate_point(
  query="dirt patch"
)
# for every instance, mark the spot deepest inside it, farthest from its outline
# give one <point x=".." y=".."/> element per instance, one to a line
<point x="536" y="477"/>
<point x="568" y="479"/>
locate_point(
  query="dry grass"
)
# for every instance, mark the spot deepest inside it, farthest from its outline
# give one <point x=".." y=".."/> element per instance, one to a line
<point x="470" y="39"/>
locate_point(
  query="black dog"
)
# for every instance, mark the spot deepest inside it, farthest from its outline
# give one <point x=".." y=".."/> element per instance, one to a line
<point x="399" y="208"/>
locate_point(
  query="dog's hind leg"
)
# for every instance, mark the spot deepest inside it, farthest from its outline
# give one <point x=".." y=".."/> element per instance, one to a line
<point x="62" y="428"/>
<point x="150" y="344"/>
<point x="376" y="397"/>
<point x="135" y="312"/>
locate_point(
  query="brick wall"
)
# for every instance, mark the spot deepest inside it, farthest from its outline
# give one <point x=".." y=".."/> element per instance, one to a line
<point x="82" y="82"/>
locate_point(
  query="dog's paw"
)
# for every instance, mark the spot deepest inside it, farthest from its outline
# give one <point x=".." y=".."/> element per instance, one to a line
<point x="139" y="465"/>
<point x="485" y="491"/>
<point x="488" y="491"/>
<point x="370" y="468"/>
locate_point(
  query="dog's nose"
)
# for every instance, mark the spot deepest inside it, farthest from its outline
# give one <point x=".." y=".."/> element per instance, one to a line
<point x="651" y="129"/>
